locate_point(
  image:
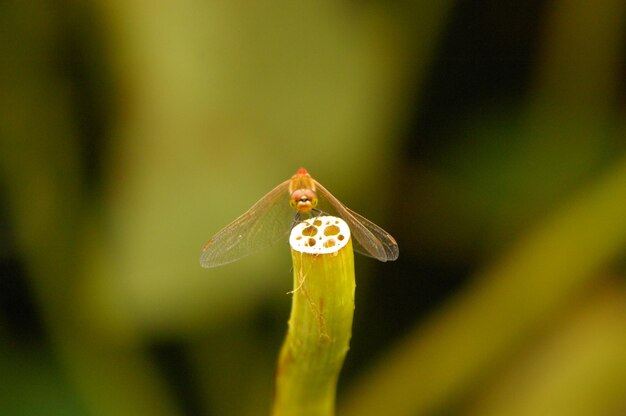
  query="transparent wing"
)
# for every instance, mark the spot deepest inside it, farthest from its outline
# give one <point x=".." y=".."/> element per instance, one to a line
<point x="369" y="238"/>
<point x="261" y="226"/>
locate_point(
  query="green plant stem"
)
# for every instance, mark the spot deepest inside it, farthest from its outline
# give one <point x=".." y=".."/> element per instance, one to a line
<point x="320" y="327"/>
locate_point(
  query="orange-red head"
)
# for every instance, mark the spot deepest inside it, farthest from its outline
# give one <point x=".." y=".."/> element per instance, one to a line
<point x="302" y="191"/>
<point x="303" y="200"/>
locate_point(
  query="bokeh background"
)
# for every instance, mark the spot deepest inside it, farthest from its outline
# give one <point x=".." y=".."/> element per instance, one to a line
<point x="489" y="137"/>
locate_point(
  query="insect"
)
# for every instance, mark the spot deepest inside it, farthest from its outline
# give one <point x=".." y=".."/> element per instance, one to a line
<point x="273" y="216"/>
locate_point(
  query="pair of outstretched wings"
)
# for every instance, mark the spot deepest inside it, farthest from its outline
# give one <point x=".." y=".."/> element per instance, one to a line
<point x="272" y="217"/>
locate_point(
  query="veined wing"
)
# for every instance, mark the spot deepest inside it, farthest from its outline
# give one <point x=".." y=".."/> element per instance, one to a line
<point x="261" y="226"/>
<point x="370" y="239"/>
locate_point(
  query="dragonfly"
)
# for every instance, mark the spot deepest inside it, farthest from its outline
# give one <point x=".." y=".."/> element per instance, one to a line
<point x="271" y="218"/>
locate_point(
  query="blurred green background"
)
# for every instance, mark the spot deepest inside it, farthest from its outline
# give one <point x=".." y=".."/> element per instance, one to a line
<point x="488" y="137"/>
